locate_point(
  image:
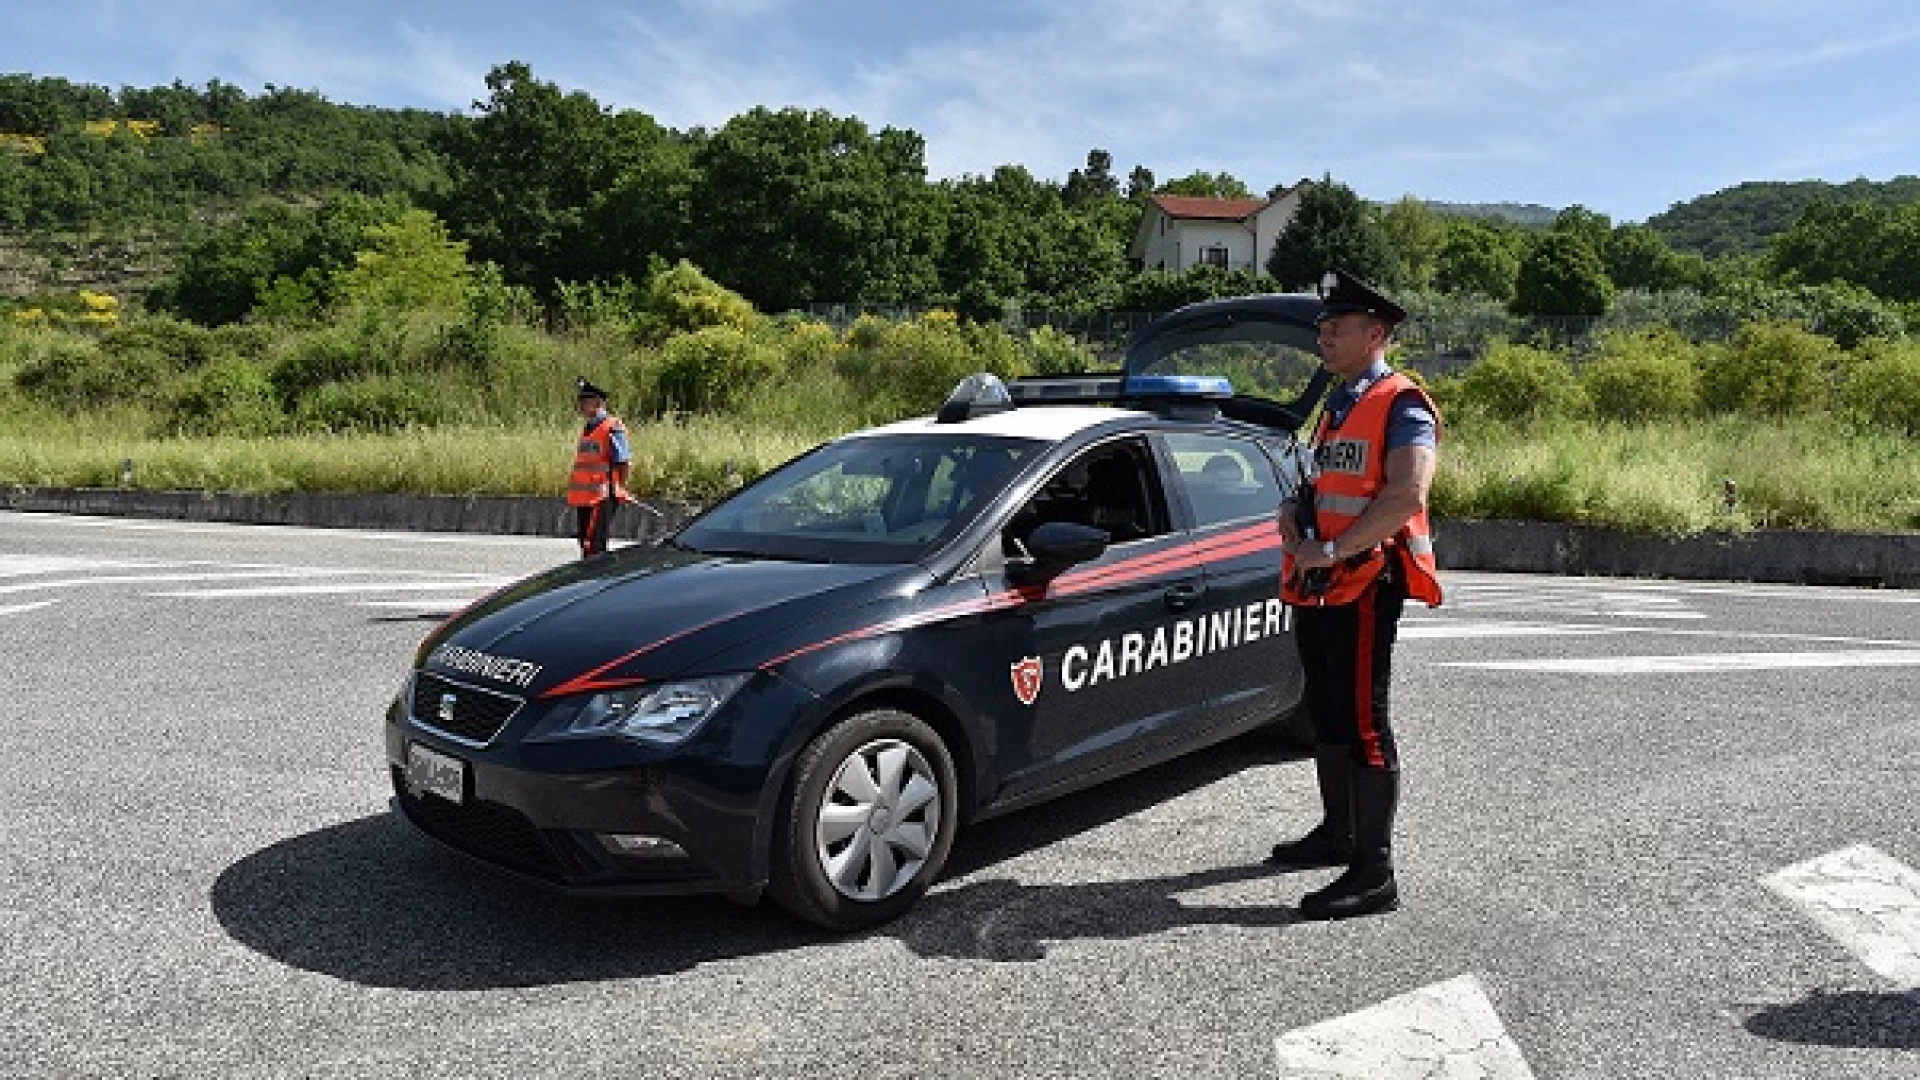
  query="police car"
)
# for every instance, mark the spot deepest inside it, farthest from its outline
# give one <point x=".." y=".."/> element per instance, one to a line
<point x="814" y="685"/>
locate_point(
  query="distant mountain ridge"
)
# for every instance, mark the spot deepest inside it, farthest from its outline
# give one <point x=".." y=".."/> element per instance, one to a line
<point x="1517" y="213"/>
<point x="1741" y="219"/>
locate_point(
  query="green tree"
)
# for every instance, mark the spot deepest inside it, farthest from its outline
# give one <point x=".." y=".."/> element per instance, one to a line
<point x="1206" y="185"/>
<point x="795" y="206"/>
<point x="1476" y="259"/>
<point x="1636" y="257"/>
<point x="1331" y="227"/>
<point x="1417" y="235"/>
<point x="527" y="174"/>
<point x="1561" y="276"/>
<point x="407" y="265"/>
<point x="1093" y="183"/>
<point x="1590" y="227"/>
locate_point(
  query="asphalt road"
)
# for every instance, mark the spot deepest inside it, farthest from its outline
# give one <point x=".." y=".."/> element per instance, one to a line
<point x="199" y="875"/>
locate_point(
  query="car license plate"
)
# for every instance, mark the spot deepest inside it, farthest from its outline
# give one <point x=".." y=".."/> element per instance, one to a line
<point x="430" y="772"/>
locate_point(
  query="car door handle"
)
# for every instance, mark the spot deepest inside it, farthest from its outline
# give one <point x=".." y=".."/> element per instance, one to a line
<point x="1183" y="596"/>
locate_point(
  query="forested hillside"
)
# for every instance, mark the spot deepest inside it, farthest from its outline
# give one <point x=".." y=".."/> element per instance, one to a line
<point x="1742" y="219"/>
<point x="219" y="206"/>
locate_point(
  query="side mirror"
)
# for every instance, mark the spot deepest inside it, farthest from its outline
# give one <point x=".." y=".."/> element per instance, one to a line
<point x="1057" y="545"/>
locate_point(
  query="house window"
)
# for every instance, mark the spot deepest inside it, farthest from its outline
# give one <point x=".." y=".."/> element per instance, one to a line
<point x="1214" y="256"/>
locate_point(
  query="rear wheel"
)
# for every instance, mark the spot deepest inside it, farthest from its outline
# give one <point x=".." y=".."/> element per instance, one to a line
<point x="868" y="823"/>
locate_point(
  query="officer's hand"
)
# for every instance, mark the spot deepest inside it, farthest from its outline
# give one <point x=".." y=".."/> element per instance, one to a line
<point x="1287" y="522"/>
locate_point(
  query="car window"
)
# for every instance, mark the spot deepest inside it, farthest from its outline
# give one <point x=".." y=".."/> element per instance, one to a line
<point x="1114" y="486"/>
<point x="868" y="499"/>
<point x="1225" y="479"/>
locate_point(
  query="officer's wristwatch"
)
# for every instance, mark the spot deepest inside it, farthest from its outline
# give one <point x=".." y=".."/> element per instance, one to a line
<point x="1327" y="549"/>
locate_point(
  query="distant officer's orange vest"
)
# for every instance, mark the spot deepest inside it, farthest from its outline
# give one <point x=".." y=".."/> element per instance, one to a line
<point x="1353" y="468"/>
<point x="592" y="480"/>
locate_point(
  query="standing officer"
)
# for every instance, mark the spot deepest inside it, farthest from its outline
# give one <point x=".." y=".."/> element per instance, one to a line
<point x="1356" y="545"/>
<point x="601" y="462"/>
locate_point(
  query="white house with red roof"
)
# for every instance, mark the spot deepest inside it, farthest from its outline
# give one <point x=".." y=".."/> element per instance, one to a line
<point x="1179" y="232"/>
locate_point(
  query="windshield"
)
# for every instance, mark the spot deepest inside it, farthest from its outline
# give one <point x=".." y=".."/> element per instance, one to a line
<point x="884" y="499"/>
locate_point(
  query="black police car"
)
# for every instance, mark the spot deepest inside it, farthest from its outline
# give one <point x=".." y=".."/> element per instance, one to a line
<point x="810" y="687"/>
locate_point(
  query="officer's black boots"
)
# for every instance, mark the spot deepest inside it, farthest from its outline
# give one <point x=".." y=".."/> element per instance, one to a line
<point x="1367" y="886"/>
<point x="1329" y="843"/>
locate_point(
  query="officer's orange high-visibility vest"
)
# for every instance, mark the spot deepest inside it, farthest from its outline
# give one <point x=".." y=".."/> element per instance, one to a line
<point x="1352" y="462"/>
<point x="592" y="480"/>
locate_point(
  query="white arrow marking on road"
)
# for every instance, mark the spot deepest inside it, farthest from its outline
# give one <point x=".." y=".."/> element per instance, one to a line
<point x="1448" y="1029"/>
<point x="466" y="585"/>
<point x="1702" y="662"/>
<point x="20" y="609"/>
<point x="1867" y="901"/>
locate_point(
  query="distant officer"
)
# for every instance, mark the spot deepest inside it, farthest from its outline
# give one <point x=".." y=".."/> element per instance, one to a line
<point x="1356" y="545"/>
<point x="601" y="462"/>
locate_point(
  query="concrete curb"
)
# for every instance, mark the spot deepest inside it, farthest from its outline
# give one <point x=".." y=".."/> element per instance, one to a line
<point x="1826" y="558"/>
<point x="512" y="515"/>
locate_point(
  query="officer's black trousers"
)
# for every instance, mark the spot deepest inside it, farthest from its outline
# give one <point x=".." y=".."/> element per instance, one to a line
<point x="1347" y="651"/>
<point x="593" y="524"/>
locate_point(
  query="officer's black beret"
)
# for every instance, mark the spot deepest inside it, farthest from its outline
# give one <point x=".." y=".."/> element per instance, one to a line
<point x="587" y="389"/>
<point x="1342" y="293"/>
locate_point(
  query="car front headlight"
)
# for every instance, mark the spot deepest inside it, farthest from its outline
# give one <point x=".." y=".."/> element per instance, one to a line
<point x="663" y="715"/>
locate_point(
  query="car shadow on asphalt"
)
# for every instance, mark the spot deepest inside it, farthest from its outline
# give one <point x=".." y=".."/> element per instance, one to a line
<point x="1854" y="1019"/>
<point x="372" y="902"/>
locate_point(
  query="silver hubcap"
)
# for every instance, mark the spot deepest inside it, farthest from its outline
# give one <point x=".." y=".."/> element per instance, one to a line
<point x="878" y="820"/>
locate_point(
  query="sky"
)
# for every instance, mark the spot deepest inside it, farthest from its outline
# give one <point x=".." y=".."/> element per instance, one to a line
<point x="1624" y="107"/>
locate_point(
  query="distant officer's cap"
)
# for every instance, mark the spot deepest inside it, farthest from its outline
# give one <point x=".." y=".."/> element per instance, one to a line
<point x="587" y="389"/>
<point x="1342" y="293"/>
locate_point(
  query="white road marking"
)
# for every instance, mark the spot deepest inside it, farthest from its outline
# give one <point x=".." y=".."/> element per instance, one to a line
<point x="1701" y="662"/>
<point x="1867" y="901"/>
<point x="1417" y="629"/>
<point x="1737" y="590"/>
<point x="1659" y="631"/>
<point x="237" y="528"/>
<point x="1448" y="1029"/>
<point x="466" y="585"/>
<point x="153" y="579"/>
<point x="424" y="603"/>
<point x="28" y="565"/>
<point x="21" y="609"/>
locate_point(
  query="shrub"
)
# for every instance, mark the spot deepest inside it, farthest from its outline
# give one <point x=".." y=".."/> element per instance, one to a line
<point x="1054" y="352"/>
<point x="327" y="356"/>
<point x="1643" y="376"/>
<point x="1883" y="387"/>
<point x="378" y="403"/>
<point x="229" y="396"/>
<point x="681" y="299"/>
<point x="911" y="367"/>
<point x="1768" y="369"/>
<point x="713" y="368"/>
<point x="1519" y="384"/>
<point x="73" y="372"/>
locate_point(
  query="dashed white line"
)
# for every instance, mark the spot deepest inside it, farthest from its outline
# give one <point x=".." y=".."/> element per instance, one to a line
<point x="21" y="609"/>
<point x="1448" y="1029"/>
<point x="1700" y="662"/>
<point x="1867" y="901"/>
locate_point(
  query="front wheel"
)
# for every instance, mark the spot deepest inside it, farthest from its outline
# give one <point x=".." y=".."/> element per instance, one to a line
<point x="867" y="825"/>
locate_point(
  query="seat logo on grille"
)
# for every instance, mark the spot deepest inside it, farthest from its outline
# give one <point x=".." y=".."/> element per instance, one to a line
<point x="447" y="702"/>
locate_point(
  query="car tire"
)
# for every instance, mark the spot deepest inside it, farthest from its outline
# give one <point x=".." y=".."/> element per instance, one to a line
<point x="867" y="822"/>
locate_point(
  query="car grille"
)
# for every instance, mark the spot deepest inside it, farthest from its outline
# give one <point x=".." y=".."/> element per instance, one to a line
<point x="496" y="834"/>
<point x="476" y="715"/>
